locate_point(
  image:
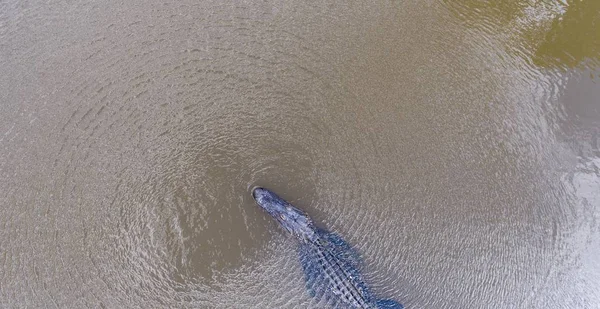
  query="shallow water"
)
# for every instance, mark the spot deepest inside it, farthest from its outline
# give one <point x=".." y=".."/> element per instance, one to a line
<point x="455" y="143"/>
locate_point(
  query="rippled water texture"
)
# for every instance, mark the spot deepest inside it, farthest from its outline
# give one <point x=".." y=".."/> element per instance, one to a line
<point x="455" y="143"/>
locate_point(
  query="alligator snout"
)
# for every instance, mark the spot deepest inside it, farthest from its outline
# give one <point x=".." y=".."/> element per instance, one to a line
<point x="257" y="191"/>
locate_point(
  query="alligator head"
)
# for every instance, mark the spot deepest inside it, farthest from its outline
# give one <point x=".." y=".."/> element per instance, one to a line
<point x="292" y="219"/>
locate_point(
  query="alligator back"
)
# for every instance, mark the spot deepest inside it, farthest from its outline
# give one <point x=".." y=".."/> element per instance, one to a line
<point x="331" y="269"/>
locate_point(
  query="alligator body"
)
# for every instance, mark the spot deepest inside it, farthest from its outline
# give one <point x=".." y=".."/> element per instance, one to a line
<point x="330" y="264"/>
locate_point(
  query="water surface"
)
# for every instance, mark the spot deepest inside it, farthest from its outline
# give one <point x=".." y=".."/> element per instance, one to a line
<point x="455" y="143"/>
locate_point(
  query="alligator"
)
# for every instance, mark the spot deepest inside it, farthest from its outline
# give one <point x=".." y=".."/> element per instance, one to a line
<point x="330" y="264"/>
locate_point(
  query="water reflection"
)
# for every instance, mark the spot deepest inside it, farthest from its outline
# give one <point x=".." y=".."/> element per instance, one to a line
<point x="552" y="34"/>
<point x="560" y="45"/>
<point x="573" y="38"/>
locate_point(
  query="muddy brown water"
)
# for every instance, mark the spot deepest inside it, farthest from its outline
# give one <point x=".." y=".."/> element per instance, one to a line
<point x="454" y="143"/>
